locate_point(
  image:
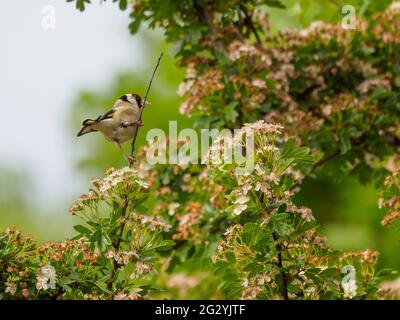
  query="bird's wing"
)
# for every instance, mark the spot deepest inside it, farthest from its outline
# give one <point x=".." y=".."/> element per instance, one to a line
<point x="124" y="109"/>
<point x="107" y="115"/>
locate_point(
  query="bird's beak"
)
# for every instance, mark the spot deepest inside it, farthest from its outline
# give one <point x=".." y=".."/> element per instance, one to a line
<point x="148" y="103"/>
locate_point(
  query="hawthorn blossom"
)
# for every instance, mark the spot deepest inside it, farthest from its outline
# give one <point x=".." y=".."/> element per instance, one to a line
<point x="240" y="204"/>
<point x="172" y="208"/>
<point x="11" y="288"/>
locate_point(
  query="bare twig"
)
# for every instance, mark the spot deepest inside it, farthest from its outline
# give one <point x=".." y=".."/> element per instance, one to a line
<point x="144" y="104"/>
<point x="205" y="18"/>
<point x="248" y="21"/>
<point x="326" y="159"/>
<point x="117" y="241"/>
<point x="284" y="276"/>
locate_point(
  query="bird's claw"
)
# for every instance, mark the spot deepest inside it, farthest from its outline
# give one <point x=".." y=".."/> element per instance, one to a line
<point x="139" y="123"/>
<point x="131" y="159"/>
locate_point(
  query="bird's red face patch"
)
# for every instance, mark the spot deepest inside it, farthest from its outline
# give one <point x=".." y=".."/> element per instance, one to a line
<point x="138" y="99"/>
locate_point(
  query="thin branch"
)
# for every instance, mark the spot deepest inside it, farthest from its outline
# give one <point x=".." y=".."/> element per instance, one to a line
<point x="144" y="104"/>
<point x="205" y="18"/>
<point x="325" y="159"/>
<point x="248" y="21"/>
<point x="117" y="241"/>
<point x="284" y="276"/>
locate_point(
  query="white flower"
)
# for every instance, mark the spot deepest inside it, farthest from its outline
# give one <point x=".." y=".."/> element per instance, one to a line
<point x="349" y="289"/>
<point x="109" y="254"/>
<point x="306" y="214"/>
<point x="259" y="170"/>
<point x="258" y="83"/>
<point x="246" y="188"/>
<point x="262" y="186"/>
<point x="273" y="178"/>
<point x="242" y="200"/>
<point x="184" y="87"/>
<point x="142" y="184"/>
<point x="121" y="296"/>
<point x="172" y="208"/>
<point x="11" y="288"/>
<point x="240" y="204"/>
<point x="395" y="6"/>
<point x="239" y="209"/>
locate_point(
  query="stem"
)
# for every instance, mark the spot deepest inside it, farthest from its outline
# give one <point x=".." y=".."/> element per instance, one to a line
<point x="205" y="18"/>
<point x="249" y="22"/>
<point x="117" y="242"/>
<point x="325" y="159"/>
<point x="280" y="265"/>
<point x="144" y="104"/>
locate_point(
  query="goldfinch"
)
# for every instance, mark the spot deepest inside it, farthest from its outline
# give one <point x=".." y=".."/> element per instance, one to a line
<point x="119" y="124"/>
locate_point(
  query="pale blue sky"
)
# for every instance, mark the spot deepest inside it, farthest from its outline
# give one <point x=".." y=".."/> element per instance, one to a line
<point x="40" y="74"/>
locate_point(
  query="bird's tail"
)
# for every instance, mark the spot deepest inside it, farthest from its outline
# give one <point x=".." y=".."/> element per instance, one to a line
<point x="87" y="127"/>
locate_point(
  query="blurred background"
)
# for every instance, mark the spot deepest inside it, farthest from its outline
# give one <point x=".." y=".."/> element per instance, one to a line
<point x="52" y="79"/>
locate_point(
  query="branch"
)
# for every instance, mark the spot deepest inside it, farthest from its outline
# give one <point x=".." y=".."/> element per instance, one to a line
<point x="117" y="242"/>
<point x="284" y="276"/>
<point x="249" y="23"/>
<point x="325" y="159"/>
<point x="144" y="104"/>
<point x="204" y="18"/>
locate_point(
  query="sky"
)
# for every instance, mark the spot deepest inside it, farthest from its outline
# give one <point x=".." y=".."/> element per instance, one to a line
<point x="42" y="71"/>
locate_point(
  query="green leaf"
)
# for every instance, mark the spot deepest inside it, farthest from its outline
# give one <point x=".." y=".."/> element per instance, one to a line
<point x="345" y="144"/>
<point x="82" y="230"/>
<point x="254" y="236"/>
<point x="275" y="3"/>
<point x="230" y="113"/>
<point x="123" y="4"/>
<point x="279" y="224"/>
<point x="165" y="245"/>
<point x="289" y="147"/>
<point x="95" y="236"/>
<point x="102" y="286"/>
<point x="135" y="25"/>
<point x="80" y="4"/>
<point x="230" y="256"/>
<point x="115" y="215"/>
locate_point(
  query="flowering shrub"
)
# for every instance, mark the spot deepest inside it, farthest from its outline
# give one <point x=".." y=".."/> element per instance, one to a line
<point x="319" y="97"/>
<point x="332" y="88"/>
<point x="113" y="255"/>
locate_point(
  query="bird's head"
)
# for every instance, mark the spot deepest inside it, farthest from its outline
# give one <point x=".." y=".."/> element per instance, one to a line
<point x="133" y="98"/>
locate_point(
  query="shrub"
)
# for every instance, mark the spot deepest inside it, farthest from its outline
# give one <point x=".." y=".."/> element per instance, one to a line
<point x="164" y="230"/>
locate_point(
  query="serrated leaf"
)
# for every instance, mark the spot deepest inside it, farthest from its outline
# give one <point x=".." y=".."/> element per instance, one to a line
<point x="230" y="112"/>
<point x="82" y="230"/>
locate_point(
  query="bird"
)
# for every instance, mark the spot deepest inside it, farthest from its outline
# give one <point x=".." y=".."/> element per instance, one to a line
<point x="120" y="123"/>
